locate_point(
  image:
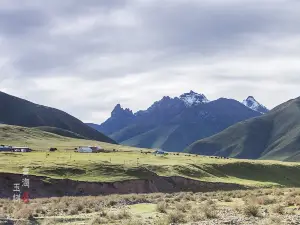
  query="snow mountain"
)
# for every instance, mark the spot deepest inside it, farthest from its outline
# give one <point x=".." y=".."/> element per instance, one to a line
<point x="173" y="124"/>
<point x="193" y="99"/>
<point x="251" y="103"/>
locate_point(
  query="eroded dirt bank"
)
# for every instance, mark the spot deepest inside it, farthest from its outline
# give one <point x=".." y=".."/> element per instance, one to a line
<point x="46" y="187"/>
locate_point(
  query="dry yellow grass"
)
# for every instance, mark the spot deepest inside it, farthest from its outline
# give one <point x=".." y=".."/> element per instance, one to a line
<point x="150" y="209"/>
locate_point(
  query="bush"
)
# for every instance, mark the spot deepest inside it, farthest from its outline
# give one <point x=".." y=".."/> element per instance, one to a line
<point x="161" y="207"/>
<point x="176" y="217"/>
<point x="210" y="212"/>
<point x="97" y="221"/>
<point x="274" y="221"/>
<point x="266" y="201"/>
<point x="227" y="199"/>
<point x="24" y="213"/>
<point x="279" y="209"/>
<point x="252" y="210"/>
<point x="183" y="207"/>
<point x="195" y="216"/>
<point x="119" y="215"/>
<point x="161" y="221"/>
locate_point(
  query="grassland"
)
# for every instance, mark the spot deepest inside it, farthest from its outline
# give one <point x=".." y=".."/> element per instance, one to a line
<point x="263" y="207"/>
<point x="115" y="166"/>
<point x="124" y="163"/>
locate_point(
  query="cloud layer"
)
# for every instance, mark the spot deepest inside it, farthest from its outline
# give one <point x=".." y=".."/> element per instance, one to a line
<point x="84" y="57"/>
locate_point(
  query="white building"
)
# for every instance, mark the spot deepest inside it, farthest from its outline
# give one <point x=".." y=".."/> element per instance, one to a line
<point x="90" y="149"/>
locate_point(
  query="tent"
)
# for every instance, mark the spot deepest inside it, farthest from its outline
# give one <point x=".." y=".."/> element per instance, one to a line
<point x="85" y="150"/>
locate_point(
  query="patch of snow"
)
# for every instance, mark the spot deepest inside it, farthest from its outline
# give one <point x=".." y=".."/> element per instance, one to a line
<point x="192" y="99"/>
<point x="251" y="103"/>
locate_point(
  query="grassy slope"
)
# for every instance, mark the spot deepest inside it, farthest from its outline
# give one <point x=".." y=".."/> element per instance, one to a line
<point x="17" y="111"/>
<point x="154" y="138"/>
<point x="41" y="141"/>
<point x="61" y="132"/>
<point x="122" y="165"/>
<point x="275" y="135"/>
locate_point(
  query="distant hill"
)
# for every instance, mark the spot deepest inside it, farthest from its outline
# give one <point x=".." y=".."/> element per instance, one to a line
<point x="275" y="135"/>
<point x="174" y="123"/>
<point x="17" y="111"/>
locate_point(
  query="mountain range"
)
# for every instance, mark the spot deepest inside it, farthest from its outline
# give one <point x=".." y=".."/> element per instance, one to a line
<point x="17" y="111"/>
<point x="173" y="124"/>
<point x="190" y="122"/>
<point x="274" y="135"/>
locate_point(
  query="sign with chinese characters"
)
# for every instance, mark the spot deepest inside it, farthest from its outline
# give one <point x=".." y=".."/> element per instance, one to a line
<point x="21" y="190"/>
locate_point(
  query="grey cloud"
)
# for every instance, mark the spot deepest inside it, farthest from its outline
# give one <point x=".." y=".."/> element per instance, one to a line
<point x="172" y="45"/>
<point x="16" y="22"/>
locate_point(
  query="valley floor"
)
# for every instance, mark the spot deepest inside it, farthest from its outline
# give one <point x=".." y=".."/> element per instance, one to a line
<point x="264" y="206"/>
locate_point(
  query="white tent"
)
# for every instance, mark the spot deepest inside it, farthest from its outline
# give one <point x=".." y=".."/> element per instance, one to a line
<point x="85" y="149"/>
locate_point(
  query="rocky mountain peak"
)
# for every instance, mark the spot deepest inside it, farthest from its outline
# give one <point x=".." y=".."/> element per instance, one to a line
<point x="192" y="98"/>
<point x="251" y="103"/>
<point x="119" y="111"/>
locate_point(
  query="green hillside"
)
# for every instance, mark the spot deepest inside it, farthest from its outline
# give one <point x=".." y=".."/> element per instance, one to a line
<point x="125" y="163"/>
<point x="17" y="111"/>
<point x="275" y="135"/>
<point x="154" y="138"/>
<point x="61" y="132"/>
<point x="40" y="140"/>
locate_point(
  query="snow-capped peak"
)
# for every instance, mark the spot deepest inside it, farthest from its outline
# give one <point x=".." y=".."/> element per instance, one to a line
<point x="193" y="98"/>
<point x="251" y="103"/>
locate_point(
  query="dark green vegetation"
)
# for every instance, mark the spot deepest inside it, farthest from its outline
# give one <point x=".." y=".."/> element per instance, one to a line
<point x="16" y="111"/>
<point x="275" y="135"/>
<point x="171" y="125"/>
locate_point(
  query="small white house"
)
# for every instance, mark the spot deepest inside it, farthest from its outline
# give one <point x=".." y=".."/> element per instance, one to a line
<point x="85" y="150"/>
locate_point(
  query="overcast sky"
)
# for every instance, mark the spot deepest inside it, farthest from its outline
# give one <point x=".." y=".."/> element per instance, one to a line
<point x="84" y="57"/>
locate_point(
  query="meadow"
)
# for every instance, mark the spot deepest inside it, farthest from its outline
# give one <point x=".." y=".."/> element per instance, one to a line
<point x="124" y="163"/>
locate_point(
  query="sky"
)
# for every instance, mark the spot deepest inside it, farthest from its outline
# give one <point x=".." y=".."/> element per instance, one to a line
<point x="84" y="57"/>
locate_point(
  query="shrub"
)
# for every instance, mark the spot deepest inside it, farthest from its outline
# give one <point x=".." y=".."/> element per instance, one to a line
<point x="161" y="207"/>
<point x="195" y="216"/>
<point x="24" y="213"/>
<point x="161" y="221"/>
<point x="183" y="207"/>
<point x="119" y="215"/>
<point x="210" y="202"/>
<point x="279" y="209"/>
<point x="73" y="211"/>
<point x="176" y="217"/>
<point x="252" y="210"/>
<point x="227" y="199"/>
<point x="210" y="212"/>
<point x="97" y="221"/>
<point x="266" y="201"/>
<point x="274" y="221"/>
